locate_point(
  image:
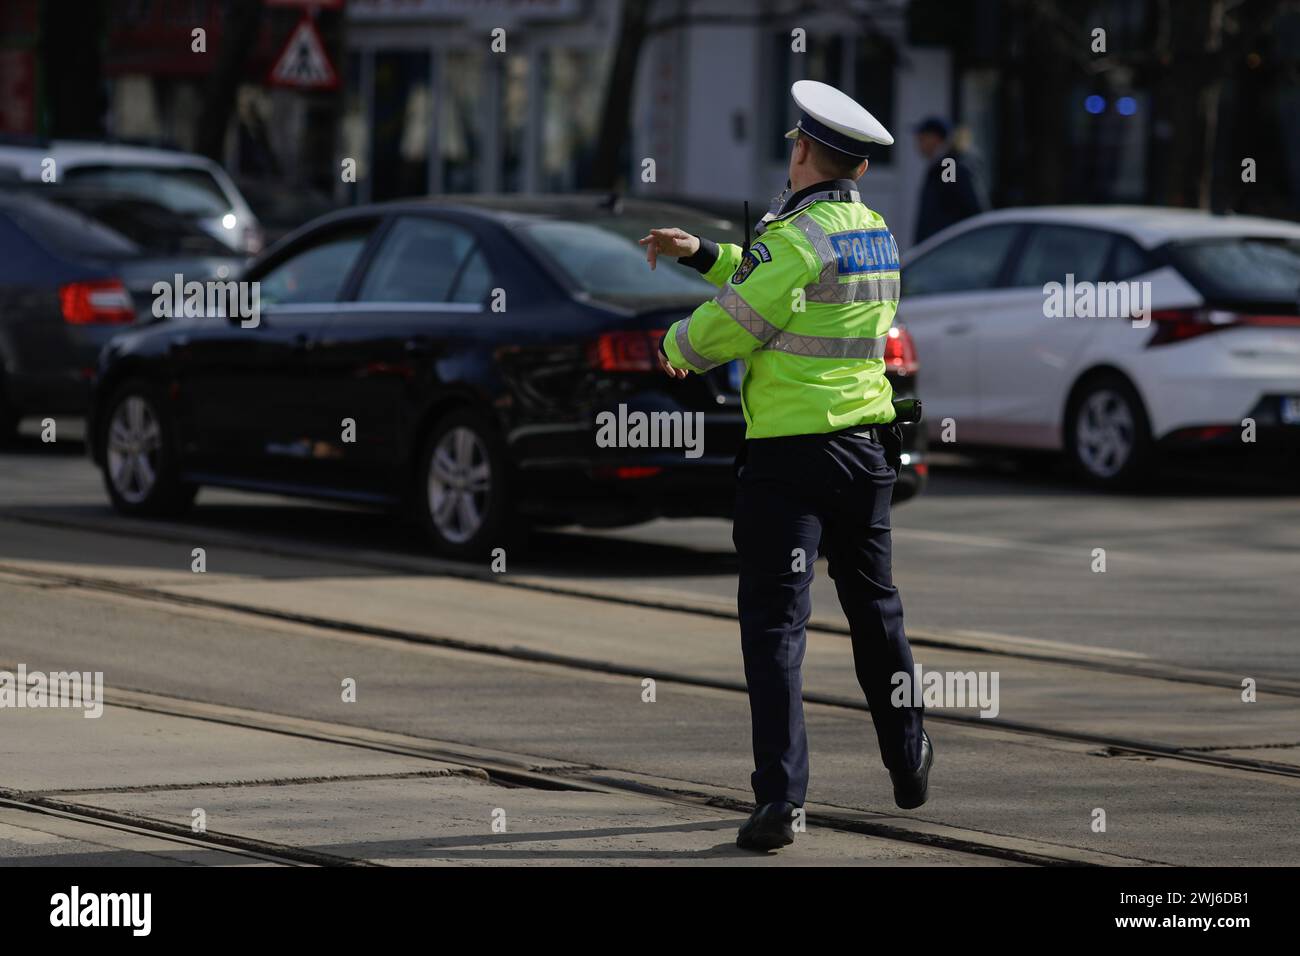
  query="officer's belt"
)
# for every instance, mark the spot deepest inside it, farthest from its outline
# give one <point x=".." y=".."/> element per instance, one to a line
<point x="874" y="432"/>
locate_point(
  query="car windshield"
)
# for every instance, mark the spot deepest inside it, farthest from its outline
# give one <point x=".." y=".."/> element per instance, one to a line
<point x="1241" y="269"/>
<point x="187" y="191"/>
<point x="602" y="262"/>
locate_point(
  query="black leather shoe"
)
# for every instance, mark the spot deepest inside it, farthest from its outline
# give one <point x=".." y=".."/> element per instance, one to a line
<point x="913" y="789"/>
<point x="768" y="827"/>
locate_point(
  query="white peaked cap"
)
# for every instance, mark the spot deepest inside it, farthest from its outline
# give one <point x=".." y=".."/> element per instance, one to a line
<point x="836" y="119"/>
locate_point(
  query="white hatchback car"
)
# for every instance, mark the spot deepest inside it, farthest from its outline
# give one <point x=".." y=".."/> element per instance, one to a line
<point x="1216" y="340"/>
<point x="189" y="185"/>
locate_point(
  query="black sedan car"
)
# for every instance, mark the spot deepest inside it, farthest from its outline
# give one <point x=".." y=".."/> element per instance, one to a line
<point x="76" y="266"/>
<point x="63" y="294"/>
<point x="463" y="359"/>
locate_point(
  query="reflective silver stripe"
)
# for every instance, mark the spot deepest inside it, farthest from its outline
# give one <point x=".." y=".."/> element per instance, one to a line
<point x="821" y="244"/>
<point x="827" y="284"/>
<point x="819" y="346"/>
<point x="683" y="340"/>
<point x="861" y="290"/>
<point x="744" y="313"/>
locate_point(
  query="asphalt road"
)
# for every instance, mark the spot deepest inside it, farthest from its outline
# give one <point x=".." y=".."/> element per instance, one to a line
<point x="525" y="693"/>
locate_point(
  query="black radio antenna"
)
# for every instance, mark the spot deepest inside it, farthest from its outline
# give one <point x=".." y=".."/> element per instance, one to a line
<point x="746" y="249"/>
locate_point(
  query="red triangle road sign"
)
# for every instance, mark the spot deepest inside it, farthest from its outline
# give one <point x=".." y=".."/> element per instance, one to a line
<point x="303" y="63"/>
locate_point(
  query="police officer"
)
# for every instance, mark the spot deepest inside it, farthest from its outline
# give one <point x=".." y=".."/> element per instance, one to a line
<point x="808" y="308"/>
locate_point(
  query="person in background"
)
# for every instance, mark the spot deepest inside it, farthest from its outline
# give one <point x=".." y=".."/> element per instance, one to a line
<point x="950" y="192"/>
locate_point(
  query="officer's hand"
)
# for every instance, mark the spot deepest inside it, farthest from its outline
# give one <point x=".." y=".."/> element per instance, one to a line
<point x="669" y="369"/>
<point x="669" y="242"/>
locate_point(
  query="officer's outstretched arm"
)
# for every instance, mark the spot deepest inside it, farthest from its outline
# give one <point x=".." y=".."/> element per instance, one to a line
<point x="754" y="305"/>
<point x="716" y="261"/>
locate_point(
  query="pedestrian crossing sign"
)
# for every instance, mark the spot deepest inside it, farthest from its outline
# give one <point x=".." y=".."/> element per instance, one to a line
<point x="303" y="64"/>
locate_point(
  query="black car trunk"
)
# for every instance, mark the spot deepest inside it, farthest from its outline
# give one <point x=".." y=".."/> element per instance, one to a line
<point x="716" y="390"/>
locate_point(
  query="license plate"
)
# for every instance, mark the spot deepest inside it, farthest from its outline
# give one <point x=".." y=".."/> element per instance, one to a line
<point x="735" y="375"/>
<point x="1291" y="410"/>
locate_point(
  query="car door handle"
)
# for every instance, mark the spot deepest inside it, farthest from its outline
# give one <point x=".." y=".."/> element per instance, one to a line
<point x="418" y="345"/>
<point x="961" y="328"/>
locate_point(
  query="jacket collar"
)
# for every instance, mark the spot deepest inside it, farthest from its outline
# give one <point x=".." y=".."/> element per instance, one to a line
<point x="832" y="190"/>
<point x="838" y="190"/>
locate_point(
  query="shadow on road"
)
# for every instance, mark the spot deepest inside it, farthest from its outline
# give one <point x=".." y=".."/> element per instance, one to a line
<point x="1038" y="475"/>
<point x="674" y="550"/>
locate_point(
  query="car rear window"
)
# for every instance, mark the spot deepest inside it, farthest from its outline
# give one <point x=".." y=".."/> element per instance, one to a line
<point x="1241" y="269"/>
<point x="69" y="234"/>
<point x="188" y="191"/>
<point x="635" y="226"/>
<point x="155" y="229"/>
<point x="602" y="262"/>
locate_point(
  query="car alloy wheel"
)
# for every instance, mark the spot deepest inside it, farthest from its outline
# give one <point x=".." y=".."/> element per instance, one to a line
<point x="1105" y="433"/>
<point x="459" y="484"/>
<point x="134" y="447"/>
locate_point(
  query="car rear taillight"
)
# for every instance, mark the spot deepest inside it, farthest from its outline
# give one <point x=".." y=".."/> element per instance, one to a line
<point x="625" y="472"/>
<point x="625" y="351"/>
<point x="97" y="302"/>
<point x="1179" y="325"/>
<point x="900" y="352"/>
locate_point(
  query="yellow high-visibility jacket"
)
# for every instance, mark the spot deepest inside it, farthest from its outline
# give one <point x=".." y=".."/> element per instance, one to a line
<point x="808" y="309"/>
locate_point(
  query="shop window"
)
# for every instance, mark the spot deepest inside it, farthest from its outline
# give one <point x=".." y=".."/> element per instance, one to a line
<point x="571" y="93"/>
<point x="400" y="135"/>
<point x="514" y="121"/>
<point x="460" y="131"/>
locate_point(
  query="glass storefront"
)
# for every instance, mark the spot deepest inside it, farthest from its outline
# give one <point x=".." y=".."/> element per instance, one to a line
<point x="514" y="95"/>
<point x="444" y="114"/>
<point x="571" y="88"/>
<point x="402" y="111"/>
<point x="460" y="130"/>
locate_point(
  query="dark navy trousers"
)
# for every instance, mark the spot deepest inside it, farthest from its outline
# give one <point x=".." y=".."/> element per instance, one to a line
<point x="811" y="494"/>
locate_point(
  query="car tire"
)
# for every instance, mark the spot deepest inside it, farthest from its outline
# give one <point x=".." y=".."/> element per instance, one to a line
<point x="1108" y="435"/>
<point x="462" y="494"/>
<point x="140" y="468"/>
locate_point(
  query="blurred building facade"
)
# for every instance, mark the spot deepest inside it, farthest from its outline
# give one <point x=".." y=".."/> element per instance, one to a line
<point x="571" y="98"/>
<point x="714" y="95"/>
<point x="432" y="107"/>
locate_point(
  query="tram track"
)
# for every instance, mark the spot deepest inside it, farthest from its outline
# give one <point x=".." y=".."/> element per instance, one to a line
<point x="1109" y="745"/>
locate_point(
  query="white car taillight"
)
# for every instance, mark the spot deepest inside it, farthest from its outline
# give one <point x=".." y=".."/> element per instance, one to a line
<point x="1179" y="325"/>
